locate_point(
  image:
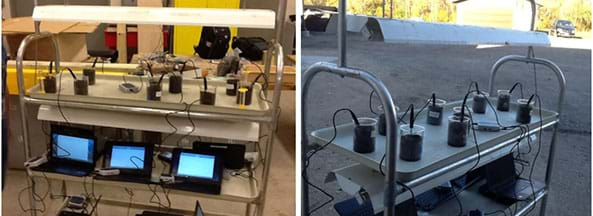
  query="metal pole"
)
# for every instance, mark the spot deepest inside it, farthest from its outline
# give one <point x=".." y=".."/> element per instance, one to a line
<point x="383" y="8"/>
<point x="280" y="18"/>
<point x="390" y="115"/>
<point x="391" y="9"/>
<point x="275" y="106"/>
<point x="562" y="83"/>
<point x="342" y="33"/>
<point x="21" y="84"/>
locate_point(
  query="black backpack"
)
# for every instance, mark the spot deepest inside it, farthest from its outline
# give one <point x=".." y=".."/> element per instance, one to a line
<point x="214" y="42"/>
<point x="252" y="48"/>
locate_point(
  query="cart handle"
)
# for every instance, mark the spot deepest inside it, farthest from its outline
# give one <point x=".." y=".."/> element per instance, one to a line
<point x="390" y="115"/>
<point x="21" y="83"/>
<point x="526" y="59"/>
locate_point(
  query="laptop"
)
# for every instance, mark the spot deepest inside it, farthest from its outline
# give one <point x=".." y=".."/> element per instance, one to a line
<point x="196" y="171"/>
<point x="72" y="151"/>
<point x="503" y="184"/>
<point x="233" y="154"/>
<point x="133" y="160"/>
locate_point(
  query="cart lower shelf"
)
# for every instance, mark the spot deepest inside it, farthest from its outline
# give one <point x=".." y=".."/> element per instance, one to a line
<point x="236" y="189"/>
<point x="356" y="177"/>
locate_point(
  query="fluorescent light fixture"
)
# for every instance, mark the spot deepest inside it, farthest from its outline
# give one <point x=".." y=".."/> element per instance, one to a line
<point x="246" y="18"/>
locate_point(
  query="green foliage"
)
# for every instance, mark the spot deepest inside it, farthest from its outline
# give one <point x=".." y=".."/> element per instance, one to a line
<point x="442" y="11"/>
<point x="580" y="14"/>
<point x="577" y="11"/>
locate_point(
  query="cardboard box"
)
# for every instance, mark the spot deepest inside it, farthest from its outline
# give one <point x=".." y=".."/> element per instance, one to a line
<point x="71" y="38"/>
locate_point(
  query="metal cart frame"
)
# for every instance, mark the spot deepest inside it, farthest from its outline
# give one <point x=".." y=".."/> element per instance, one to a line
<point x="268" y="121"/>
<point x="390" y="186"/>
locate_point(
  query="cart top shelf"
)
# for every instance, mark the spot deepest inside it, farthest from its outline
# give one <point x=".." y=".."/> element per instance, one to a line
<point x="243" y="18"/>
<point x="106" y="91"/>
<point x="436" y="152"/>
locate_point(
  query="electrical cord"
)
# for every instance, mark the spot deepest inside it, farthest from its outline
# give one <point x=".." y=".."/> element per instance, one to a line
<point x="195" y="68"/>
<point x="154" y="191"/>
<point x="398" y="182"/>
<point x="158" y="198"/>
<point x="265" y="85"/>
<point x="36" y="197"/>
<point x="312" y="153"/>
<point x="523" y="134"/>
<point x="188" y="111"/>
<point x="170" y="124"/>
<point x="537" y="152"/>
<point x="130" y="192"/>
<point x="137" y="158"/>
<point x="92" y="194"/>
<point x="58" y="96"/>
<point x="458" y="200"/>
<point x="520" y="87"/>
<point x="371" y="102"/>
<point x="63" y="149"/>
<point x="471" y="119"/>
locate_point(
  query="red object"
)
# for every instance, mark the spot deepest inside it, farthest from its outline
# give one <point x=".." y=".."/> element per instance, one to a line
<point x="131" y="38"/>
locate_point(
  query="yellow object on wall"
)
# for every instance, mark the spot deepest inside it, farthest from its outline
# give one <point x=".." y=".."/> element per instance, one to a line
<point x="185" y="37"/>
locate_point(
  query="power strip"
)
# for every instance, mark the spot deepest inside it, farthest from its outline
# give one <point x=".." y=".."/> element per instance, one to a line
<point x="107" y="172"/>
<point x="36" y="161"/>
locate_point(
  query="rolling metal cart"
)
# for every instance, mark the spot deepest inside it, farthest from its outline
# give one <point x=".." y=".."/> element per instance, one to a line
<point x="106" y="108"/>
<point x="441" y="163"/>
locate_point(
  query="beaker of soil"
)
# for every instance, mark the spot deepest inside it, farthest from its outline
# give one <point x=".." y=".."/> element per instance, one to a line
<point x="175" y="83"/>
<point x="504" y="100"/>
<point x="457" y="131"/>
<point x="434" y="116"/>
<point x="364" y="135"/>
<point x="457" y="111"/>
<point x="81" y="86"/>
<point x="382" y="125"/>
<point x="524" y="111"/>
<point x="411" y="142"/>
<point x="90" y="73"/>
<point x="154" y="90"/>
<point x="244" y="97"/>
<point x="208" y="96"/>
<point x="232" y="85"/>
<point x="49" y="84"/>
<point x="480" y="102"/>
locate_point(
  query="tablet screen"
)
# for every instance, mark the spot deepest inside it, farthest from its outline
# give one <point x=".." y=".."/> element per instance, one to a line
<point x="196" y="165"/>
<point x="73" y="148"/>
<point x="127" y="157"/>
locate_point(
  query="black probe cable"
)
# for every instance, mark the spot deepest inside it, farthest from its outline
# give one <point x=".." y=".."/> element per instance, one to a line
<point x="59" y="93"/>
<point x="36" y="197"/>
<point x="525" y="135"/>
<point x="310" y="154"/>
<point x="371" y="102"/>
<point x="191" y="121"/>
<point x="537" y="152"/>
<point x="463" y="107"/>
<point x="514" y="86"/>
<point x="168" y="206"/>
